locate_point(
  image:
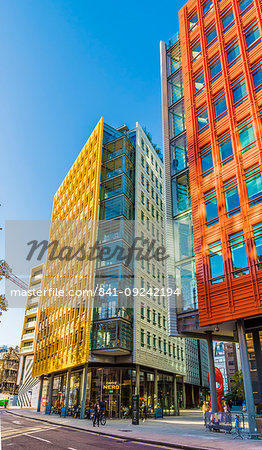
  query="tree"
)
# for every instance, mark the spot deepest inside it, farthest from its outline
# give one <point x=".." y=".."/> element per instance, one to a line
<point x="237" y="386"/>
<point x="3" y="302"/>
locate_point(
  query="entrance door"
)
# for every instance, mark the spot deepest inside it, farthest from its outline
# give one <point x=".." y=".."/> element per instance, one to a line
<point x="111" y="405"/>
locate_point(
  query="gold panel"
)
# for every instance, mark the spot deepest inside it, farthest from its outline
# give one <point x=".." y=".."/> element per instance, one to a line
<point x="63" y="332"/>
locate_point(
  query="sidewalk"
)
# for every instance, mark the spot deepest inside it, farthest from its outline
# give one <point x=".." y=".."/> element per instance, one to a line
<point x="184" y="431"/>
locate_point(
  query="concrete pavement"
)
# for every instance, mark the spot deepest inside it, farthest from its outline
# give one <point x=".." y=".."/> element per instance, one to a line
<point x="185" y="431"/>
<point x="30" y="434"/>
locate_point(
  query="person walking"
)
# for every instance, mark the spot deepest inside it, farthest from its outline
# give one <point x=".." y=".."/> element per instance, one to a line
<point x="97" y="414"/>
<point x="144" y="411"/>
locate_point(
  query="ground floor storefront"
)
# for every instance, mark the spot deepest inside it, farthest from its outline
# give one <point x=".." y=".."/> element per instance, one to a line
<point x="79" y="388"/>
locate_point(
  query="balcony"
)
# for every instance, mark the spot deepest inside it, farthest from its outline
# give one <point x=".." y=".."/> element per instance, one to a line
<point x="112" y="337"/>
<point x="27" y="349"/>
<point x="33" y="301"/>
<point x="30" y="324"/>
<point x="28" y="336"/>
<point x="31" y="311"/>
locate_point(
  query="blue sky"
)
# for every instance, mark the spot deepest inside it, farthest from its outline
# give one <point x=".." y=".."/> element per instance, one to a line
<point x="63" y="65"/>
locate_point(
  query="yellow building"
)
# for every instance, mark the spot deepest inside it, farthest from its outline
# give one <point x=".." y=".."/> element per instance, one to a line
<point x="64" y="322"/>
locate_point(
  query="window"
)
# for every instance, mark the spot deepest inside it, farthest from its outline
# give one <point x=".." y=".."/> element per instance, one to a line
<point x="142" y="216"/>
<point x="211" y="207"/>
<point x="153" y="210"/>
<point x="181" y="193"/>
<point x="179" y="155"/>
<point x="152" y="192"/>
<point x="160" y="344"/>
<point x="207" y="7"/>
<point x="228" y="20"/>
<point x="154" y="341"/>
<point x="245" y="5"/>
<point x="239" y="90"/>
<point x="231" y="197"/>
<point x="142" y="179"/>
<point x="148" y="340"/>
<point x="164" y="346"/>
<point x="174" y="351"/>
<point x="216" y="262"/>
<point x="147" y="185"/>
<point x="193" y="21"/>
<point x="225" y="147"/>
<point x="196" y="50"/>
<point x="169" y="349"/>
<point x="142" y="144"/>
<point x="215" y="68"/>
<point x="142" y="198"/>
<point x="233" y="52"/>
<point x="154" y="317"/>
<point x="164" y="322"/>
<point x="238" y="254"/>
<point x="147" y="168"/>
<point x="202" y="118"/>
<point x="148" y="314"/>
<point x="142" y="311"/>
<point x="152" y="159"/>
<point x="257" y="75"/>
<point x="175" y="89"/>
<point x="199" y="81"/>
<point x="252" y="35"/>
<point x="147" y="151"/>
<point x="157" y="199"/>
<point x="246" y="134"/>
<point x="211" y="35"/>
<point x="159" y="319"/>
<point x="142" y="337"/>
<point x="177" y="120"/>
<point x="142" y="161"/>
<point x="254" y="185"/>
<point x="257" y="230"/>
<point x="220" y="105"/>
<point x="206" y="160"/>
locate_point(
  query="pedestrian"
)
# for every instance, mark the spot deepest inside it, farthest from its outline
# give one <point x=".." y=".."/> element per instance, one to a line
<point x="205" y="408"/>
<point x="144" y="411"/>
<point x="97" y="414"/>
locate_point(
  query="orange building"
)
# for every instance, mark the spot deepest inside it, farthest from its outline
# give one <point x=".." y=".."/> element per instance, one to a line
<point x="215" y="180"/>
<point x="221" y="51"/>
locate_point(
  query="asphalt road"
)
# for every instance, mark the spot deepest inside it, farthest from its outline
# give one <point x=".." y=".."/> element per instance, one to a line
<point x="22" y="433"/>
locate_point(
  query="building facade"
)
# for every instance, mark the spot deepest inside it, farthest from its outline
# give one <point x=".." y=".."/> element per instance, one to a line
<point x="111" y="342"/>
<point x="29" y="386"/>
<point x="220" y="45"/>
<point x="181" y="264"/>
<point x="9" y="361"/>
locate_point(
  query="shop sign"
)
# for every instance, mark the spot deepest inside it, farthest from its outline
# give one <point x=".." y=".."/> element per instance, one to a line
<point x="111" y="386"/>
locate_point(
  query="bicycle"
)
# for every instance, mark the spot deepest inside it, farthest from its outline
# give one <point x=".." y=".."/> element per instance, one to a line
<point x="102" y="419"/>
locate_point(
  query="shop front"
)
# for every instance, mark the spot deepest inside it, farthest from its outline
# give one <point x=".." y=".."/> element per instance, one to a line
<point x="114" y="386"/>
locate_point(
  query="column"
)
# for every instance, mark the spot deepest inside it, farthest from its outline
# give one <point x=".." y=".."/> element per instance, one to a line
<point x="50" y="390"/>
<point x="137" y="379"/>
<point x="175" y="397"/>
<point x="193" y="395"/>
<point x="155" y="389"/>
<point x="40" y="393"/>
<point x="83" y="391"/>
<point x="258" y="356"/>
<point x="247" y="378"/>
<point x="212" y="375"/>
<point x="184" y="393"/>
<point x="68" y="375"/>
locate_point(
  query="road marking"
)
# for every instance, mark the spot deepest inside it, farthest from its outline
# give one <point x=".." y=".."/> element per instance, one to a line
<point x="71" y="448"/>
<point x="35" y="437"/>
<point x="16" y="422"/>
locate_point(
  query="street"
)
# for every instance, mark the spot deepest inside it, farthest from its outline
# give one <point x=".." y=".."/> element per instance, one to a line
<point x="23" y="433"/>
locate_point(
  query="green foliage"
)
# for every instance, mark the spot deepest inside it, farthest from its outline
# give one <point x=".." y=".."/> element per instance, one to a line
<point x="149" y="137"/>
<point x="237" y="386"/>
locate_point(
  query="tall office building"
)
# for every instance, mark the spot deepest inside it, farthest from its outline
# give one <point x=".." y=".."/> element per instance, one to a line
<point x="28" y="385"/>
<point x="113" y="343"/>
<point x="221" y="47"/>
<point x="181" y="264"/>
